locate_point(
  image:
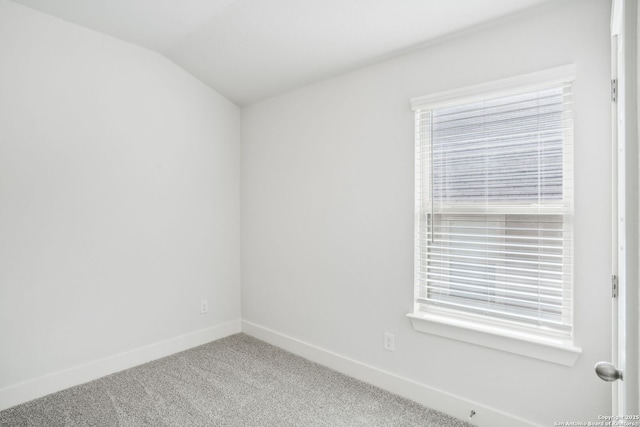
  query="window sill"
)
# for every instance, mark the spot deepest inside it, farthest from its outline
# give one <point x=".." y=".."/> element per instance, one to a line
<point x="549" y="349"/>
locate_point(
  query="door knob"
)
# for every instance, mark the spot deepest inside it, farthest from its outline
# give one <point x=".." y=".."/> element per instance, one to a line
<point x="608" y="372"/>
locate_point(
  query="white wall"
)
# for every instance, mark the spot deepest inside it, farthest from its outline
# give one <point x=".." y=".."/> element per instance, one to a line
<point x="119" y="198"/>
<point x="327" y="213"/>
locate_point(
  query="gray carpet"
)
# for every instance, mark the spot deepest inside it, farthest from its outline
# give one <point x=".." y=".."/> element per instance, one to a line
<point x="235" y="381"/>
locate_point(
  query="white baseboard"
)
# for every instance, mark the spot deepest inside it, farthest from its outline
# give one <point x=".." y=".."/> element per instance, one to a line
<point x="51" y="383"/>
<point x="439" y="400"/>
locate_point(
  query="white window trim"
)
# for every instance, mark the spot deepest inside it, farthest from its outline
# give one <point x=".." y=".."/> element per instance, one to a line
<point x="468" y="328"/>
<point x="498" y="87"/>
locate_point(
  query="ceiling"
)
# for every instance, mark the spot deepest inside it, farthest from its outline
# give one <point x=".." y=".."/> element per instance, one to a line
<point x="249" y="50"/>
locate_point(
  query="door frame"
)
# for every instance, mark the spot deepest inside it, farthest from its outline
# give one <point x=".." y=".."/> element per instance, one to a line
<point x="625" y="206"/>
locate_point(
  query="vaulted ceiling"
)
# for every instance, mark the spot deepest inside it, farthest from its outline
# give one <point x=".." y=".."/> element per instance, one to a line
<point x="252" y="49"/>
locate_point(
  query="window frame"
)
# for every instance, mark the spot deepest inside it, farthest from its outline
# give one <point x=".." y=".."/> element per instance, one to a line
<point x="501" y="334"/>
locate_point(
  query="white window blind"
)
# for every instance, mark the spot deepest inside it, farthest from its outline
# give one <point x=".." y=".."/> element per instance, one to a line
<point x="494" y="208"/>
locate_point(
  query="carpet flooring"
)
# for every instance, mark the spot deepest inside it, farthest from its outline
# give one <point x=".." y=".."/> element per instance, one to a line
<point x="235" y="381"/>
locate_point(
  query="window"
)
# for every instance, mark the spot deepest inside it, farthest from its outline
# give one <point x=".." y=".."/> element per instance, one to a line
<point x="494" y="210"/>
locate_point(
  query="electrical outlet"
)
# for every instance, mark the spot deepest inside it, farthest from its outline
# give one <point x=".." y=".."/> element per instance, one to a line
<point x="204" y="306"/>
<point x="389" y="342"/>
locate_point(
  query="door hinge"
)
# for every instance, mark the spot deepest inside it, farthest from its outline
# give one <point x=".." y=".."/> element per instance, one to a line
<point x="614" y="90"/>
<point x="614" y="286"/>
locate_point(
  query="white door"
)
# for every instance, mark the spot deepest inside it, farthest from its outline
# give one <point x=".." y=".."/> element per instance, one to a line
<point x="624" y="369"/>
